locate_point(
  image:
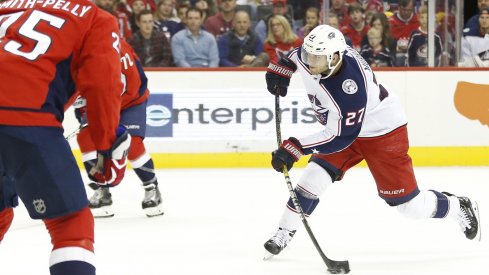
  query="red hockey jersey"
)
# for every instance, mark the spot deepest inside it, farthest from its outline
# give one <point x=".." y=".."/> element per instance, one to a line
<point x="133" y="78"/>
<point x="48" y="50"/>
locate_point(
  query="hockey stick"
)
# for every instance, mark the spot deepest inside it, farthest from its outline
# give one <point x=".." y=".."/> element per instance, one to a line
<point x="334" y="267"/>
<point x="75" y="132"/>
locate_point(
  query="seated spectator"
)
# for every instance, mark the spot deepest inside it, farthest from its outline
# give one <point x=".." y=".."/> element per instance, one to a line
<point x="136" y="6"/>
<point x="417" y="51"/>
<point x="340" y="8"/>
<point x="278" y="7"/>
<point x="280" y="38"/>
<point x="111" y="6"/>
<point x="151" y="45"/>
<point x="357" y="28"/>
<point x="402" y="24"/>
<point x="203" y="6"/>
<point x="182" y="13"/>
<point x="381" y="22"/>
<point x="165" y="20"/>
<point x="312" y="21"/>
<point x="222" y="21"/>
<point x="374" y="52"/>
<point x="473" y="22"/>
<point x="241" y="46"/>
<point x="475" y="44"/>
<point x="193" y="46"/>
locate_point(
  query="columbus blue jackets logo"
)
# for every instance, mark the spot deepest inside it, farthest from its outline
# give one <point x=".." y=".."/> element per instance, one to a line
<point x="349" y="86"/>
<point x="331" y="35"/>
<point x="320" y="111"/>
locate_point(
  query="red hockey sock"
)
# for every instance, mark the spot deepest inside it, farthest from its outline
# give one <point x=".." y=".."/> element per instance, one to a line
<point x="6" y="217"/>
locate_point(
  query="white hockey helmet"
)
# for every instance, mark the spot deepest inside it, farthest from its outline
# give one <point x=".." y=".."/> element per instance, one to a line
<point x="320" y="45"/>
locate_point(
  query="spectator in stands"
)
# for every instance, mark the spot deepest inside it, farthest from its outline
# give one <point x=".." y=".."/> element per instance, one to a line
<point x="280" y="39"/>
<point x="473" y="22"/>
<point x="381" y="22"/>
<point x="312" y="21"/>
<point x="222" y="21"/>
<point x="136" y="6"/>
<point x="417" y="52"/>
<point x="182" y="13"/>
<point x="475" y="43"/>
<point x="278" y="7"/>
<point x="203" y="6"/>
<point x="241" y="46"/>
<point x="357" y="28"/>
<point x="402" y="24"/>
<point x="151" y="45"/>
<point x="340" y="8"/>
<point x="193" y="46"/>
<point x="165" y="20"/>
<point x="110" y="6"/>
<point x="375" y="53"/>
<point x="333" y="21"/>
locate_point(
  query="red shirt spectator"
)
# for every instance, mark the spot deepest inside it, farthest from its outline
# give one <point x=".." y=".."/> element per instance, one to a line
<point x="403" y="23"/>
<point x="222" y="21"/>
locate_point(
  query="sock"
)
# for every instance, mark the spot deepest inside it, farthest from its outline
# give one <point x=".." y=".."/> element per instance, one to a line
<point x="72" y="260"/>
<point x="146" y="173"/>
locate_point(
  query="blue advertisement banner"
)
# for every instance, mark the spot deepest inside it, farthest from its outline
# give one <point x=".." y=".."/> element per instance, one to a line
<point x="159" y="118"/>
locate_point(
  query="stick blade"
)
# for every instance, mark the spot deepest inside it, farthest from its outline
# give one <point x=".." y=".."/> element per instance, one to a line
<point x="339" y="267"/>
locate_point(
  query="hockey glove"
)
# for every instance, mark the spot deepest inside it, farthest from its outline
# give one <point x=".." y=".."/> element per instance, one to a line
<point x="278" y="76"/>
<point x="287" y="154"/>
<point x="111" y="165"/>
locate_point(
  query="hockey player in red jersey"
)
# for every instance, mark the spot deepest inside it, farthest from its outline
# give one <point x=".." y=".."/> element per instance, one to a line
<point x="49" y="48"/>
<point x="133" y="116"/>
<point x="362" y="120"/>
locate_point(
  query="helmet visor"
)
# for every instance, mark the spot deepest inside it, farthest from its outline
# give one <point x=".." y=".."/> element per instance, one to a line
<point x="313" y="60"/>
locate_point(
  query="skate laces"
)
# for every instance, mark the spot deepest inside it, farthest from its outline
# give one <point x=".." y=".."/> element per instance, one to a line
<point x="282" y="237"/>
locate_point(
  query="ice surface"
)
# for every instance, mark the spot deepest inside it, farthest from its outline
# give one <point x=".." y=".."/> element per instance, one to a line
<point x="216" y="221"/>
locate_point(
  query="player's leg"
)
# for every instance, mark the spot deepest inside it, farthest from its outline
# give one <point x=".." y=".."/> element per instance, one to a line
<point x="321" y="172"/>
<point x="8" y="196"/>
<point x="101" y="200"/>
<point x="134" y="118"/>
<point x="72" y="237"/>
<point x="392" y="169"/>
<point x="6" y="217"/>
<point x="48" y="181"/>
<point x="143" y="166"/>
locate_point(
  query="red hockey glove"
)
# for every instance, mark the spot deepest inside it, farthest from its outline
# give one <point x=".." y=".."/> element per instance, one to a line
<point x="111" y="164"/>
<point x="278" y="76"/>
<point x="287" y="154"/>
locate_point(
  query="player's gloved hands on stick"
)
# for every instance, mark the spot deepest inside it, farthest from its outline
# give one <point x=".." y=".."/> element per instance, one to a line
<point x="278" y="76"/>
<point x="111" y="165"/>
<point x="287" y="154"/>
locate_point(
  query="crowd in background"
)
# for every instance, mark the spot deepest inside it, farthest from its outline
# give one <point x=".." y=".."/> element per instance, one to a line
<point x="252" y="33"/>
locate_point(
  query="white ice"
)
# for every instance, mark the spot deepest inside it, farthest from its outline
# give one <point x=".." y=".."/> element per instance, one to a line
<point x="216" y="221"/>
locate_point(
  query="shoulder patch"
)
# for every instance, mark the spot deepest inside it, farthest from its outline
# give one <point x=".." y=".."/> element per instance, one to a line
<point x="349" y="86"/>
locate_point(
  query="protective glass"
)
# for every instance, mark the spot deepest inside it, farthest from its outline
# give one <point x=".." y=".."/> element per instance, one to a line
<point x="316" y="61"/>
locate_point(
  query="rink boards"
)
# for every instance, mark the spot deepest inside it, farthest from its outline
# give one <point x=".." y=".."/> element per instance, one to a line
<point x="222" y="118"/>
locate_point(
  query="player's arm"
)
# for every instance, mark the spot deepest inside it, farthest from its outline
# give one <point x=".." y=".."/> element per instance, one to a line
<point x="278" y="74"/>
<point x="99" y="82"/>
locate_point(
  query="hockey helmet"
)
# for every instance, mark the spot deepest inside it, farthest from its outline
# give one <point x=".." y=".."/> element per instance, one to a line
<point x="320" y="45"/>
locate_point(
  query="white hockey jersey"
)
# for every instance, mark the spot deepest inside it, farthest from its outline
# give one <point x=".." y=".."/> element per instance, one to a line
<point x="349" y="104"/>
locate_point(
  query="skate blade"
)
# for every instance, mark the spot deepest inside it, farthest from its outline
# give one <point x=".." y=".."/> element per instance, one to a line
<point x="475" y="206"/>
<point x="102" y="212"/>
<point x="267" y="256"/>
<point x="154" y="211"/>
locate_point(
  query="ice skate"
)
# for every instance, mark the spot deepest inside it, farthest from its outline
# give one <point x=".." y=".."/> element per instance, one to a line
<point x="101" y="203"/>
<point x="468" y="218"/>
<point x="278" y="242"/>
<point x="152" y="203"/>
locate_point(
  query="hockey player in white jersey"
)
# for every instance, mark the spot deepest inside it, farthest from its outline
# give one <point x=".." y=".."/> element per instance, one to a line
<point x="362" y="120"/>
